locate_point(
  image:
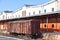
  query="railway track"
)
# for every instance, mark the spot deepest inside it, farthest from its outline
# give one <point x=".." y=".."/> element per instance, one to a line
<point x="20" y="37"/>
<point x="29" y="38"/>
<point x="8" y="38"/>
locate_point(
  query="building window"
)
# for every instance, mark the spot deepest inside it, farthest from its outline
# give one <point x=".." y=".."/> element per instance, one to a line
<point x="24" y="13"/>
<point x="29" y="13"/>
<point x="12" y="16"/>
<point x="16" y="15"/>
<point x="39" y="11"/>
<point x="3" y="16"/>
<point x="52" y="9"/>
<point x="19" y="15"/>
<point x="33" y="13"/>
<point x="8" y="17"/>
<point x="45" y="10"/>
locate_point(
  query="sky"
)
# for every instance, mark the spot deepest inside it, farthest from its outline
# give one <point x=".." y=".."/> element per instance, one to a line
<point x="13" y="5"/>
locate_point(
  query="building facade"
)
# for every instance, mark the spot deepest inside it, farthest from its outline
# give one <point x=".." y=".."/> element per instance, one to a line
<point x="30" y="10"/>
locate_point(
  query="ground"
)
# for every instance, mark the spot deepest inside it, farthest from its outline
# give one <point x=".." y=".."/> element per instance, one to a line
<point x="8" y="38"/>
<point x="46" y="36"/>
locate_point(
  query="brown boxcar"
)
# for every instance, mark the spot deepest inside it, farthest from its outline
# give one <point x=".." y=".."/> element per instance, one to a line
<point x="24" y="26"/>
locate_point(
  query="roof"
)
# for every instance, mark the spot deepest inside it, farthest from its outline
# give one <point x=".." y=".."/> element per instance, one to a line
<point x="27" y="5"/>
<point x="8" y="11"/>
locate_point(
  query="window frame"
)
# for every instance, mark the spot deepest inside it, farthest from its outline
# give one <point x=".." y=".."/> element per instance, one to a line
<point x="39" y="11"/>
<point x="29" y="13"/>
<point x="52" y="9"/>
<point x="34" y="13"/>
<point x="44" y="10"/>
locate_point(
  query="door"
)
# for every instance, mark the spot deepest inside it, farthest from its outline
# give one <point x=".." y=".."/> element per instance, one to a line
<point x="35" y="27"/>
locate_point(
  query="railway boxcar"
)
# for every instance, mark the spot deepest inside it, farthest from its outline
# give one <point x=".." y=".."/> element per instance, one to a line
<point x="30" y="27"/>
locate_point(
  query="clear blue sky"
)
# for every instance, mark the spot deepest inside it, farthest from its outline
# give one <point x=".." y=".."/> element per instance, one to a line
<point x="15" y="4"/>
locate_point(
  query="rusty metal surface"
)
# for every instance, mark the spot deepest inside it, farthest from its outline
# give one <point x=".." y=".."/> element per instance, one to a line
<point x="24" y="26"/>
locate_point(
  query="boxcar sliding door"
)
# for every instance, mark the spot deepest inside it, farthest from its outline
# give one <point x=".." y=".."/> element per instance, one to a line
<point x="35" y="27"/>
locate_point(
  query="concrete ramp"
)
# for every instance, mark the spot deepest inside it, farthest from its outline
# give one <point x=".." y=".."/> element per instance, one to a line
<point x="51" y="36"/>
<point x="8" y="38"/>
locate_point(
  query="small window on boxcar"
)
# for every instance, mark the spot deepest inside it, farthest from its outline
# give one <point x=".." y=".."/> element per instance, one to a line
<point x="45" y="25"/>
<point x="52" y="25"/>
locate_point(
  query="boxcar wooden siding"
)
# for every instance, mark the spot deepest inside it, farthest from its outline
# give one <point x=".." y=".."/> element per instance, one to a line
<point x="24" y="26"/>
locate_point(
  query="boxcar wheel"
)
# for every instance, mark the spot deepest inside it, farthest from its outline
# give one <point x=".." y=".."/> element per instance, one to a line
<point x="14" y="34"/>
<point x="33" y="36"/>
<point x="10" y="33"/>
